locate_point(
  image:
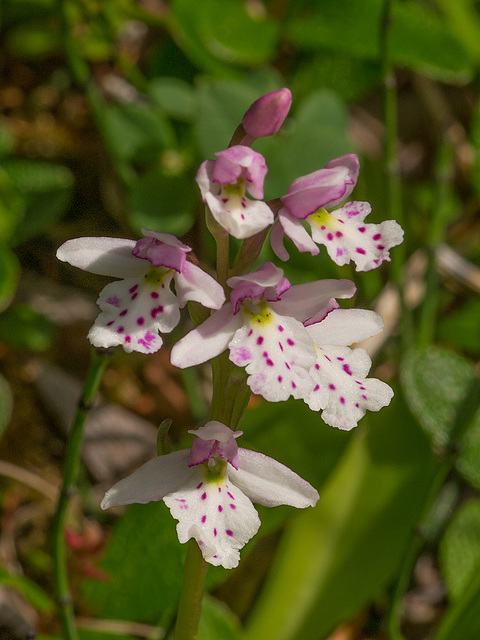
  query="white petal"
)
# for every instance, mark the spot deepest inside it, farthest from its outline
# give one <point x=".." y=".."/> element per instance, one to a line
<point x="276" y="241"/>
<point x="152" y="481"/>
<point x="208" y="340"/>
<point x="270" y="483"/>
<point x="241" y="217"/>
<point x="217" y="514"/>
<point x="343" y="392"/>
<point x="104" y="256"/>
<point x="133" y="312"/>
<point x="277" y="353"/>
<point x="295" y="230"/>
<point x="343" y="327"/>
<point x="194" y="284"/>
<point x="302" y="301"/>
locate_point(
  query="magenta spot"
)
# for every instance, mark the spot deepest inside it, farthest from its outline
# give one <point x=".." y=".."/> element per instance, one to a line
<point x="281" y="346"/>
<point x="287" y="365"/>
<point x="229" y="532"/>
<point x="220" y="508"/>
<point x="364" y="397"/>
<point x="269" y="362"/>
<point x="332" y="387"/>
<point x="265" y="354"/>
<point x="230" y="495"/>
<point x="115" y="302"/>
<point x="323" y="227"/>
<point x="128" y="339"/>
<point x="341" y="359"/>
<point x="232" y="506"/>
<point x="199" y="485"/>
<point x="154" y="294"/>
<point x="259" y="340"/>
<point x="215" y="532"/>
<point x="329" y="236"/>
<point x="123" y="313"/>
<point x="294" y="386"/>
<point x="290" y="342"/>
<point x="219" y="489"/>
<point x="120" y="329"/>
<point x="360" y="250"/>
<point x="204" y="518"/>
<point x="357" y="405"/>
<point x="134" y="296"/>
<point x="155" y="311"/>
<point x="140" y="321"/>
<point x="317" y="387"/>
<point x="342" y="400"/>
<point x="339" y="252"/>
<point x="380" y="247"/>
<point x="339" y="234"/>
<point x="361" y="229"/>
<point x="204" y="496"/>
<point x="280" y="328"/>
<point x="132" y="289"/>
<point x="377" y="236"/>
<point x="279" y="378"/>
<point x="347" y="369"/>
<point x="224" y="200"/>
<point x="250" y="333"/>
<point x="327" y="358"/>
<point x="109" y="324"/>
<point x="362" y="388"/>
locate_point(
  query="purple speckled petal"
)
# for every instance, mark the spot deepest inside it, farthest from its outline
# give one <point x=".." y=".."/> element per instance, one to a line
<point x="241" y="162"/>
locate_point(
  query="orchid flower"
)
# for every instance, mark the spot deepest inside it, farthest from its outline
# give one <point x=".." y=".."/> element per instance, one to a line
<point x="267" y="114"/>
<point x="342" y="230"/>
<point x="262" y="325"/>
<point x="140" y="305"/>
<point x="210" y="488"/>
<point x="342" y="391"/>
<point x="223" y="183"/>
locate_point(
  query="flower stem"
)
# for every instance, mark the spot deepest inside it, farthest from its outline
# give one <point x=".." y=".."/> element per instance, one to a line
<point x="98" y="362"/>
<point x="190" y="606"/>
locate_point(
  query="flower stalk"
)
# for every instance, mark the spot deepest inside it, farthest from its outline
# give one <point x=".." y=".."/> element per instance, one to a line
<point x="98" y="362"/>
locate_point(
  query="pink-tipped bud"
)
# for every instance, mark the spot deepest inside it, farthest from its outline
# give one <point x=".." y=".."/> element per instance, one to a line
<point x="267" y="114"/>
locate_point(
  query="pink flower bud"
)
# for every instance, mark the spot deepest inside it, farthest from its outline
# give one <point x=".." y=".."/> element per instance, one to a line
<point x="267" y="114"/>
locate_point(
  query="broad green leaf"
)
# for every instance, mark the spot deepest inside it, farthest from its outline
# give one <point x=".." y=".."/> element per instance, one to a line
<point x="144" y="561"/>
<point x="315" y="133"/>
<point x="220" y="107"/>
<point x="464" y="20"/>
<point x="217" y="622"/>
<point x="163" y="203"/>
<point x="9" y="273"/>
<point x="6" y="403"/>
<point x="338" y="557"/>
<point x="221" y="33"/>
<point x="137" y="132"/>
<point x="174" y="96"/>
<point x="461" y="327"/>
<point x="46" y="189"/>
<point x="24" y="327"/>
<point x="37" y="597"/>
<point x="460" y="549"/>
<point x="420" y="39"/>
<point x="435" y="381"/>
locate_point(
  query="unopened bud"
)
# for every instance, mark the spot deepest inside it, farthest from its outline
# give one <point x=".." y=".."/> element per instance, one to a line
<point x="267" y="114"/>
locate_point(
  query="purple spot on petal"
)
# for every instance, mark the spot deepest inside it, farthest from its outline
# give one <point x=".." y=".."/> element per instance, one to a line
<point x="154" y="294"/>
<point x="339" y="234"/>
<point x="128" y="339"/>
<point x="109" y="324"/>
<point x="357" y="405"/>
<point x="364" y="397"/>
<point x="287" y="365"/>
<point x="269" y="362"/>
<point x="134" y="296"/>
<point x="215" y="532"/>
<point x="362" y="229"/>
<point x="279" y="378"/>
<point x="140" y="321"/>
<point x="361" y="251"/>
<point x="377" y="236"/>
<point x="380" y="247"/>
<point x="294" y="386"/>
<point x="199" y="485"/>
<point x="259" y="340"/>
<point x="132" y="289"/>
<point x="204" y="518"/>
<point x="342" y="400"/>
<point x="155" y="311"/>
<point x="204" y="496"/>
<point x="347" y="369"/>
<point x="280" y="328"/>
<point x="317" y="366"/>
<point x="329" y="236"/>
<point x="120" y="329"/>
<point x="290" y="342"/>
<point x="339" y="252"/>
<point x="332" y="387"/>
<point x="229" y="532"/>
<point x="250" y="333"/>
<point x="230" y="495"/>
<point x="317" y="387"/>
<point x="281" y="346"/>
<point x="232" y="506"/>
<point x="123" y="313"/>
<point x="220" y="508"/>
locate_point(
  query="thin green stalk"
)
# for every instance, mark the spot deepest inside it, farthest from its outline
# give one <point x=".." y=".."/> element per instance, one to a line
<point x="394" y="189"/>
<point x="98" y="362"/>
<point x="190" y="606"/>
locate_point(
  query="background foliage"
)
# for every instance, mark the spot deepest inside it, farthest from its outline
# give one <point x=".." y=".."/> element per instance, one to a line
<point x="107" y="109"/>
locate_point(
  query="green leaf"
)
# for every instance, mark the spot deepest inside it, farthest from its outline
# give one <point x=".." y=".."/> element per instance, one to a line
<point x="37" y="597"/>
<point x="459" y="549"/>
<point x="464" y="20"/>
<point x="137" y="132"/>
<point x="7" y="139"/>
<point x="435" y="381"/>
<point x="9" y="273"/>
<point x="176" y="97"/>
<point x="220" y="107"/>
<point x="24" y="327"/>
<point x="336" y="558"/>
<point x="6" y="404"/>
<point x="217" y="622"/>
<point x="145" y="563"/>
<point x="420" y="39"/>
<point x="46" y="189"/>
<point x="34" y="40"/>
<point x="461" y="327"/>
<point x="317" y="132"/>
<point x="219" y="33"/>
<point x="162" y="203"/>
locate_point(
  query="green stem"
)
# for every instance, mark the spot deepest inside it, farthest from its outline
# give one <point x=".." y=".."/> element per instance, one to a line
<point x="190" y="606"/>
<point x="98" y="363"/>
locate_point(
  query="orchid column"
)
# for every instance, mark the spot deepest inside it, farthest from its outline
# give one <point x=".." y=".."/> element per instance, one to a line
<point x="261" y="334"/>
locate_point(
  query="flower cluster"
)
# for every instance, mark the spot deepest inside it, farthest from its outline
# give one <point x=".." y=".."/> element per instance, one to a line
<point x="291" y="340"/>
